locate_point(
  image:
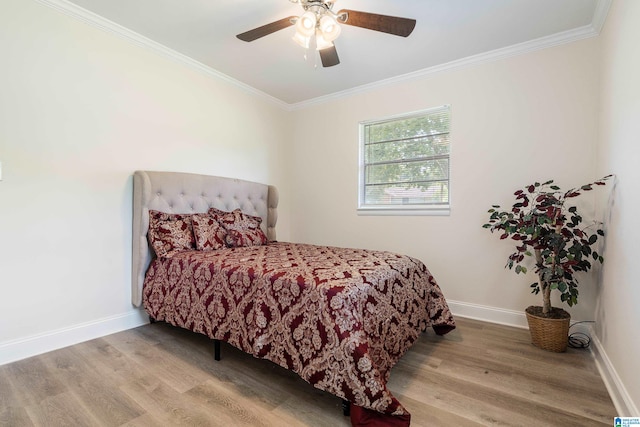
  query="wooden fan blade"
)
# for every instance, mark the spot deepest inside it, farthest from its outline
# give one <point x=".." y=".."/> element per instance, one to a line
<point x="265" y="30"/>
<point x="383" y="23"/>
<point x="329" y="57"/>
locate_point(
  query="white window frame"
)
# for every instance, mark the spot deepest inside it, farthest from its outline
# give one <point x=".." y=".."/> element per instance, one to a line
<point x="414" y="209"/>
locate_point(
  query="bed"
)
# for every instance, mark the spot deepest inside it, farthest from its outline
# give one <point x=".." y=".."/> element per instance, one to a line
<point x="339" y="317"/>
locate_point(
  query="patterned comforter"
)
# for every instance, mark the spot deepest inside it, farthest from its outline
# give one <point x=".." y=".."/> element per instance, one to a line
<point x="340" y="318"/>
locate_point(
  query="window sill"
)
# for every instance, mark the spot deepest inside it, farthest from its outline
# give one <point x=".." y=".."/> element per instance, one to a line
<point x="403" y="211"/>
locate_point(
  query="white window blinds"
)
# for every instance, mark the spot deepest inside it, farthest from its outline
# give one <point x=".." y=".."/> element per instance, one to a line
<point x="405" y="162"/>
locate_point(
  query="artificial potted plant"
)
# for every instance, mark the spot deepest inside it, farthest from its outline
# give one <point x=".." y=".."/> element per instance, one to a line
<point x="547" y="229"/>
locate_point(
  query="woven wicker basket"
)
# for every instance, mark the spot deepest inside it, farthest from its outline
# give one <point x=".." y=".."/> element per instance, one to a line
<point x="549" y="334"/>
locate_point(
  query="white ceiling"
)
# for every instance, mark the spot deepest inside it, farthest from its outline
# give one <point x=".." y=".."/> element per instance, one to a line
<point x="446" y="31"/>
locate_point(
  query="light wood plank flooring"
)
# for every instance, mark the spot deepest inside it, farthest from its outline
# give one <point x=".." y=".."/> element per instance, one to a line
<point x="157" y="375"/>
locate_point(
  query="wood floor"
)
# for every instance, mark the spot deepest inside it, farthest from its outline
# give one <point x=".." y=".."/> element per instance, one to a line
<point x="156" y="375"/>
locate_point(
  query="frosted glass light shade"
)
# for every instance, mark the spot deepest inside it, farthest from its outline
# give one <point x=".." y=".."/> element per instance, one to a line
<point x="302" y="40"/>
<point x="306" y="24"/>
<point x="330" y="28"/>
<point x="321" y="42"/>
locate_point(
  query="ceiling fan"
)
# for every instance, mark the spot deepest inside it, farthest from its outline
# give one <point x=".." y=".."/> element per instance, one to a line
<point x="321" y="24"/>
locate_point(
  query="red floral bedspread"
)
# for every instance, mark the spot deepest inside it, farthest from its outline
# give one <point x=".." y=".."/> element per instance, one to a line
<point x="340" y="318"/>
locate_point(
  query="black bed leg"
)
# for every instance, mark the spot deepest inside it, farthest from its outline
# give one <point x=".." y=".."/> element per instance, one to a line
<point x="346" y="408"/>
<point x="152" y="320"/>
<point x="216" y="349"/>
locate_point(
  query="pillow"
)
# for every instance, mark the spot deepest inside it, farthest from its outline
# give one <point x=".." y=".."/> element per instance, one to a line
<point x="215" y="212"/>
<point x="242" y="229"/>
<point x="253" y="237"/>
<point x="170" y="233"/>
<point x="236" y="220"/>
<point x="208" y="232"/>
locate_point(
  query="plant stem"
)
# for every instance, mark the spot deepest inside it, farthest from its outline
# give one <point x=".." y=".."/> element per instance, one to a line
<point x="546" y="289"/>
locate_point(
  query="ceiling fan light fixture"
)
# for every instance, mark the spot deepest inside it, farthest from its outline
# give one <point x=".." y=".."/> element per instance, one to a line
<point x="302" y="40"/>
<point x="306" y="24"/>
<point x="322" y="42"/>
<point x="329" y="28"/>
<point x="319" y="26"/>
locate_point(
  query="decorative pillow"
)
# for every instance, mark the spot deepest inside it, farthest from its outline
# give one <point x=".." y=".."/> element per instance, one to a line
<point x="170" y="233"/>
<point x="209" y="234"/>
<point x="236" y="220"/>
<point x="242" y="229"/>
<point x="215" y="212"/>
<point x="253" y="237"/>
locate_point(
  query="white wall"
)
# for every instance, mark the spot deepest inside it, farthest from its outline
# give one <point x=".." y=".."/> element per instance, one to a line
<point x="514" y="121"/>
<point x="619" y="151"/>
<point x="80" y="110"/>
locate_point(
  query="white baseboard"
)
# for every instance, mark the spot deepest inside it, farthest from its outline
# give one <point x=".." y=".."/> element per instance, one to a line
<point x="619" y="395"/>
<point x="10" y="351"/>
<point x="625" y="406"/>
<point x="488" y="314"/>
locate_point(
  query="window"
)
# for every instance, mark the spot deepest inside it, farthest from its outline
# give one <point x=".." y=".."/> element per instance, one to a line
<point x="404" y="164"/>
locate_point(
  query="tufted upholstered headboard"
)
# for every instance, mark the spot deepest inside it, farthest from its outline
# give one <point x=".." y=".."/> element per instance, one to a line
<point x="176" y="192"/>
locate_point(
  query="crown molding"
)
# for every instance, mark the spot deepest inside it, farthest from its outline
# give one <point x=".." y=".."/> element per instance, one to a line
<point x="600" y="14"/>
<point x="103" y="24"/>
<point x="564" y="37"/>
<point x="90" y="18"/>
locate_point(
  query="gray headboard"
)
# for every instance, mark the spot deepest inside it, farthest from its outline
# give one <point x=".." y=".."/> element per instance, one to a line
<point x="176" y="192"/>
